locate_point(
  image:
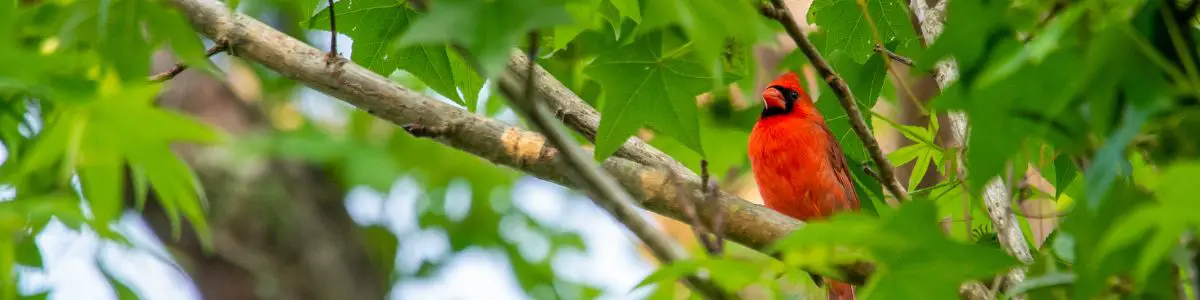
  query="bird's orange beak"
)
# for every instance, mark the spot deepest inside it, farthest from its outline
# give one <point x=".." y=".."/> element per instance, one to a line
<point x="773" y="98"/>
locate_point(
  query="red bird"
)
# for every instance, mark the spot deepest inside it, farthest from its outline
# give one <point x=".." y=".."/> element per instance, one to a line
<point x="798" y="163"/>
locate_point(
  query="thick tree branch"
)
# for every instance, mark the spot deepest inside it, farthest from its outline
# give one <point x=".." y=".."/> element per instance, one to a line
<point x="846" y="98"/>
<point x="749" y="224"/>
<point x="996" y="194"/>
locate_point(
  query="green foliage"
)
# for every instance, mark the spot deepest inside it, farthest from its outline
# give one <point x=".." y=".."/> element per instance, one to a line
<point x="92" y="105"/>
<point x="1097" y="97"/>
<point x="913" y="258"/>
<point x="652" y="82"/>
<point x="376" y="48"/>
<point x="847" y="28"/>
<point x="710" y="25"/>
<point x="488" y="29"/>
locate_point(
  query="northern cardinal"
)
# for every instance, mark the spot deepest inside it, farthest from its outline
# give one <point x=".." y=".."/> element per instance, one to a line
<point x="798" y="163"/>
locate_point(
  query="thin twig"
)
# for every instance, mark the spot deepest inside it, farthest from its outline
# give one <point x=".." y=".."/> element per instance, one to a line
<point x="718" y="219"/>
<point x="332" y="32"/>
<point x="179" y="67"/>
<point x="845" y="97"/>
<point x="708" y="235"/>
<point x="1054" y="10"/>
<point x="689" y="210"/>
<point x="606" y="192"/>
<point x="896" y="57"/>
<point x="717" y="242"/>
<point x="866" y="168"/>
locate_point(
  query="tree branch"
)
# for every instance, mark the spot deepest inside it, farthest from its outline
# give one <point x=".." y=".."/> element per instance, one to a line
<point x="886" y="171"/>
<point x="179" y="67"/>
<point x="996" y="194"/>
<point x="749" y="224"/>
<point x="604" y="190"/>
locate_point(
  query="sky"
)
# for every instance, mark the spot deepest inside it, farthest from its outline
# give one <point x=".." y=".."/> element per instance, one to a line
<point x="72" y="259"/>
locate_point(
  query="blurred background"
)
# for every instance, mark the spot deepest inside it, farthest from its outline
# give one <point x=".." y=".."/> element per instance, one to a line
<point x="301" y="168"/>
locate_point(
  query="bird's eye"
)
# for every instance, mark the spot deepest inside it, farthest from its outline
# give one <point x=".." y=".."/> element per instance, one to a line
<point x="792" y="95"/>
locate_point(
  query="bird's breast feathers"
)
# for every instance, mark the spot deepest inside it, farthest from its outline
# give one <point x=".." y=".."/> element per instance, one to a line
<point x="791" y="166"/>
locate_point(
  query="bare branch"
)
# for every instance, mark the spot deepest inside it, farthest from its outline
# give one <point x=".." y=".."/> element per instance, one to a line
<point x="179" y="67"/>
<point x="845" y="97"/>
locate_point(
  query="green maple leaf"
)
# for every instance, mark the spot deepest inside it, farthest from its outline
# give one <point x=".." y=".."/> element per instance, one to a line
<point x="929" y="265"/>
<point x="848" y="30"/>
<point x="487" y="28"/>
<point x="628" y="9"/>
<point x="372" y="24"/>
<point x="650" y="82"/>
<point x="584" y="13"/>
<point x="375" y="25"/>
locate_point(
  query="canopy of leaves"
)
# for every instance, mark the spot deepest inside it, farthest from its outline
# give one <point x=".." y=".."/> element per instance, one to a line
<point x="1091" y="105"/>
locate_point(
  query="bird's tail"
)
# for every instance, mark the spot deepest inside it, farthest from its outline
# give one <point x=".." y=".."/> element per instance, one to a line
<point x="840" y="290"/>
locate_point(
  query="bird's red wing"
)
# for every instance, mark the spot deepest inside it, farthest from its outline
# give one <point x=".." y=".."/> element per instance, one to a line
<point x="837" y="161"/>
